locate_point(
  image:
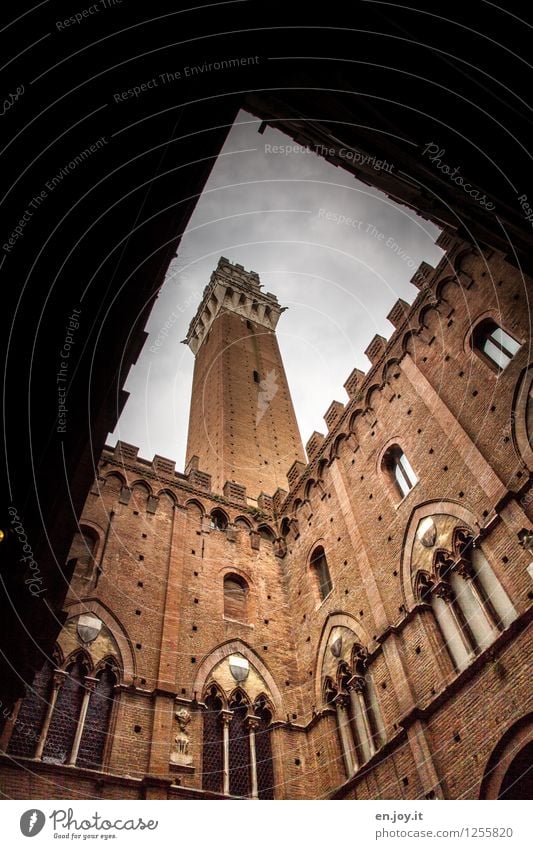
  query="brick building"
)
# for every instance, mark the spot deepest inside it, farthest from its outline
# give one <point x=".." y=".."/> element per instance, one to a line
<point x="353" y="625"/>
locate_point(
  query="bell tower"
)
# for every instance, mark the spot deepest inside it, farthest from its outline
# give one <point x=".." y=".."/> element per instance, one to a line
<point x="242" y="425"/>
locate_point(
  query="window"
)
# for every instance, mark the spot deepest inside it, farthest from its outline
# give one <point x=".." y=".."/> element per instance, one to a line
<point x="399" y="469"/>
<point x="263" y="750"/>
<point x="468" y="602"/>
<point x="320" y="566"/>
<point x="358" y="717"/>
<point x="219" y="520"/>
<point x="65" y="717"/>
<point x="257" y="379"/>
<point x="213" y="756"/>
<point x="494" y="343"/>
<point x="32" y="713"/>
<point x="237" y="749"/>
<point x="97" y="721"/>
<point x="235" y="598"/>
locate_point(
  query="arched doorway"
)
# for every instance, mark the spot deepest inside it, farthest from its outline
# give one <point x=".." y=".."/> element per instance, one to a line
<point x="518" y="780"/>
<point x="509" y="770"/>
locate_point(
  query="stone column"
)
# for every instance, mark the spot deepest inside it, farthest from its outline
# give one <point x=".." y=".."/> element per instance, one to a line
<point x="356" y="687"/>
<point x="90" y="685"/>
<point x="58" y="681"/>
<point x="445" y="592"/>
<point x="225" y="717"/>
<point x="253" y="722"/>
<point x="348" y="753"/>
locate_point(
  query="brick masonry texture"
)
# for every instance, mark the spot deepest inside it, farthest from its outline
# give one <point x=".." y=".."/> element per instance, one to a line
<point x="156" y="574"/>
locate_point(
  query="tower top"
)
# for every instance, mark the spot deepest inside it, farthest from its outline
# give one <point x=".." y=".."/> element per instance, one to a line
<point x="232" y="289"/>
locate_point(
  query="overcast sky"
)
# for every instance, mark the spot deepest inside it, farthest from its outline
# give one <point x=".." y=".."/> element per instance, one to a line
<point x="268" y="211"/>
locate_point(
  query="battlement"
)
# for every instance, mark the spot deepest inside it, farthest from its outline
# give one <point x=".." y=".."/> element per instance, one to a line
<point x="232" y="288"/>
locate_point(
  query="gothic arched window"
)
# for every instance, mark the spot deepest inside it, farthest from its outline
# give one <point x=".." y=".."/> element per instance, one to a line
<point x="32" y="713"/>
<point x="239" y="749"/>
<point x="64" y="723"/>
<point x="97" y="720"/>
<point x="357" y="711"/>
<point x="213" y="753"/>
<point x="66" y="715"/>
<point x="235" y="598"/>
<point x="218" y="520"/>
<point x="319" y="564"/>
<point x="469" y="603"/>
<point x="496" y="347"/>
<point x="263" y="750"/>
<point x="399" y="470"/>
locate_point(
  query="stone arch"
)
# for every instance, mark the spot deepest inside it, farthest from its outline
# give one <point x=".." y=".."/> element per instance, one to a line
<point x="460" y="257"/>
<point x="127" y="656"/>
<point x="336" y="446"/>
<point x="219" y="518"/>
<point x="219" y="692"/>
<point x="195" y="510"/>
<point x="142" y="484"/>
<point x="513" y="741"/>
<point x="409" y="343"/>
<point x="391" y="366"/>
<point x="242" y="521"/>
<point x="172" y="497"/>
<point x="79" y="654"/>
<point x="239" y="691"/>
<point x="267" y="702"/>
<point x="430" y="321"/>
<point x="446" y="285"/>
<point x="266" y="532"/>
<point x="429" y="508"/>
<point x="373" y="396"/>
<point x="355" y="423"/>
<point x="309" y="487"/>
<point x="218" y="654"/>
<point x="335" y="619"/>
<point x="115" y="476"/>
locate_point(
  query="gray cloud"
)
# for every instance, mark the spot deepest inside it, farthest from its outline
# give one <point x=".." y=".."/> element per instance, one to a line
<point x="269" y="212"/>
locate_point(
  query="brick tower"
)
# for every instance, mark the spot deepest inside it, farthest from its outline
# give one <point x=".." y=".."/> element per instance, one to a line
<point x="242" y="425"/>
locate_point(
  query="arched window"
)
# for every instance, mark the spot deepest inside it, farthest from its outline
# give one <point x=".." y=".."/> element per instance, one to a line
<point x="263" y="750"/>
<point x="213" y="754"/>
<point x="97" y="720"/>
<point x="65" y="717"/>
<point x="359" y="724"/>
<point x="319" y="564"/>
<point x="235" y="598"/>
<point x="32" y="713"/>
<point x="62" y="729"/>
<point x="494" y="344"/>
<point x="399" y="470"/>
<point x="469" y="603"/>
<point x="219" y="521"/>
<point x="285" y="527"/>
<point x="239" y="748"/>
